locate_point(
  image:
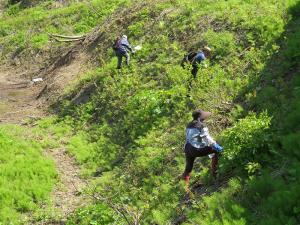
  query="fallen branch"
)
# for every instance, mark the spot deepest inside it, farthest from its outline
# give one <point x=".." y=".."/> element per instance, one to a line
<point x="15" y="112"/>
<point x="114" y="207"/>
<point x="67" y="37"/>
<point x="42" y="92"/>
<point x="67" y="40"/>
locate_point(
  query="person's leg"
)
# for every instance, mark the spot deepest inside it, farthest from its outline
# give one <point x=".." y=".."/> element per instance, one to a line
<point x="194" y="70"/>
<point x="188" y="166"/>
<point x="214" y="160"/>
<point x="127" y="56"/>
<point x="191" y="153"/>
<point x="189" y="87"/>
<point x="119" y="61"/>
<point x="214" y="164"/>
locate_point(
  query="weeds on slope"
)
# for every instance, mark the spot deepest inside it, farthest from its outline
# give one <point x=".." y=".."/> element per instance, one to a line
<point x="27" y="178"/>
<point x="129" y="134"/>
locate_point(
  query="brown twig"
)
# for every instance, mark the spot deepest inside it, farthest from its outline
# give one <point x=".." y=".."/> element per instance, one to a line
<point x="42" y="91"/>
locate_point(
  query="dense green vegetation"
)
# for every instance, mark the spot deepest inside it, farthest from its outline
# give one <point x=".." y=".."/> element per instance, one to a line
<point x="128" y="137"/>
<point x="24" y="31"/>
<point x="26" y="177"/>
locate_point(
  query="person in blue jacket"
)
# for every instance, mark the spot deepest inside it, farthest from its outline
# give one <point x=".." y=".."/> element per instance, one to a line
<point x="199" y="143"/>
<point x="195" y="58"/>
<point x="122" y="49"/>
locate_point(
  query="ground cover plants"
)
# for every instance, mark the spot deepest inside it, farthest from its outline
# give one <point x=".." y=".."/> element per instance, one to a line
<point x="25" y="31"/>
<point x="128" y="137"/>
<point x="27" y="178"/>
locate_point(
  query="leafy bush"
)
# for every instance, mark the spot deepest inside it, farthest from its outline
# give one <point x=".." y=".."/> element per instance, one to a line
<point x="220" y="208"/>
<point x="93" y="215"/>
<point x="222" y="43"/>
<point x="24" y="28"/>
<point x="143" y="109"/>
<point x="247" y="139"/>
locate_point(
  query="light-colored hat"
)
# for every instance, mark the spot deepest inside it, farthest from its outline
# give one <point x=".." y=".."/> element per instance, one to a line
<point x="206" y="48"/>
<point x="124" y="36"/>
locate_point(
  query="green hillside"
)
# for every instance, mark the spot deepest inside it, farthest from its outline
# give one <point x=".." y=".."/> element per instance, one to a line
<point x="128" y="136"/>
<point x="26" y="176"/>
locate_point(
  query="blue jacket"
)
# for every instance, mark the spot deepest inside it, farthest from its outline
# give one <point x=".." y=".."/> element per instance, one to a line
<point x="199" y="57"/>
<point x="124" y="46"/>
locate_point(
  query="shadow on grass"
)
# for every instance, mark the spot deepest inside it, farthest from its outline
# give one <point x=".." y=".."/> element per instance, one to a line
<point x="270" y="197"/>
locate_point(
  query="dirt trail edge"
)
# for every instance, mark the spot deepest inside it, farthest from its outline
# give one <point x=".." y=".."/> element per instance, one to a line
<point x="18" y="98"/>
<point x="67" y="196"/>
<point x="19" y="103"/>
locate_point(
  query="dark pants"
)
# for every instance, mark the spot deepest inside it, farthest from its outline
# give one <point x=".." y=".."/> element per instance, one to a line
<point x="191" y="153"/>
<point x="120" y="56"/>
<point x="195" y="69"/>
<point x="194" y="72"/>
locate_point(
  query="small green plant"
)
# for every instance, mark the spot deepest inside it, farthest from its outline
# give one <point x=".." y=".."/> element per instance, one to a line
<point x="252" y="167"/>
<point x="39" y="41"/>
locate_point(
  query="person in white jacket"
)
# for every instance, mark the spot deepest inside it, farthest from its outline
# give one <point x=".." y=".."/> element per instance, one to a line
<point x="199" y="143"/>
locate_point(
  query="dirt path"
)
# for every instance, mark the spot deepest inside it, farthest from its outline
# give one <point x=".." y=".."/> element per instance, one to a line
<point x="19" y="96"/>
<point x="67" y="196"/>
<point x="18" y="103"/>
<point x="18" y="99"/>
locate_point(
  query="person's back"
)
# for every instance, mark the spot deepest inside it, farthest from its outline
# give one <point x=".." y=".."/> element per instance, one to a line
<point x="199" y="57"/>
<point x="124" y="45"/>
<point x="195" y="58"/>
<point x="197" y="134"/>
<point x="188" y="58"/>
<point x="121" y="48"/>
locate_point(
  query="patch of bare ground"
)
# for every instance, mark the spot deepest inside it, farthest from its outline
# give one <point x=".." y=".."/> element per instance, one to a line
<point x="58" y="78"/>
<point x="68" y="195"/>
<point x="20" y="100"/>
<point x="17" y="98"/>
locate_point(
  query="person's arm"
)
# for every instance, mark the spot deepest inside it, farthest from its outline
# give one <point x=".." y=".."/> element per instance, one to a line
<point x="129" y="48"/>
<point x="209" y="140"/>
<point x="127" y="45"/>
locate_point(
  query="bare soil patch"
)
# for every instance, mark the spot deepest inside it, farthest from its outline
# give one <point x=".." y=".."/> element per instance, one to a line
<point x="18" y="98"/>
<point x="19" y="102"/>
<point x="68" y="195"/>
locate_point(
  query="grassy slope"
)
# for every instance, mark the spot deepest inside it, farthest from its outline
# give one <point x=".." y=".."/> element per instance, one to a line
<point x="26" y="176"/>
<point x="24" y="31"/>
<point x="134" y="146"/>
